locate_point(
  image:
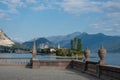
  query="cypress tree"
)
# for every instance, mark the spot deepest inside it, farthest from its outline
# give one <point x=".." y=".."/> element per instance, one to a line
<point x="71" y="44"/>
<point x="75" y="43"/>
<point x="79" y="45"/>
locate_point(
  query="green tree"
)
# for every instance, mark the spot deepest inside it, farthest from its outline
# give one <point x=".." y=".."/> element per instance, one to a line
<point x="79" y="45"/>
<point x="61" y="52"/>
<point x="71" y="44"/>
<point x="75" y="43"/>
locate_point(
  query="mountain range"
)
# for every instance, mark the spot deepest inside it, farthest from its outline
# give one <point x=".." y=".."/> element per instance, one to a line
<point x="92" y="41"/>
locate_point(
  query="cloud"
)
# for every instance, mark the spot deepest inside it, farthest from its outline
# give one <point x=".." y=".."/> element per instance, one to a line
<point x="31" y="1"/>
<point x="96" y="25"/>
<point x="80" y="6"/>
<point x="41" y="7"/>
<point x="44" y="5"/>
<point x="4" y="16"/>
<point x="110" y="9"/>
<point x="112" y="30"/>
<point x="12" y="5"/>
<point x="111" y="6"/>
<point x="107" y="28"/>
<point x="70" y="6"/>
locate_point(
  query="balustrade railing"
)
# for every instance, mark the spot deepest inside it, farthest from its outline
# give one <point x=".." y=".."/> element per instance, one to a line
<point x="16" y="61"/>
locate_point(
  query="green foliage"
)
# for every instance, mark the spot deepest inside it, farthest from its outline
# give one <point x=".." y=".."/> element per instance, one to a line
<point x="16" y="46"/>
<point x="65" y="52"/>
<point x="77" y="52"/>
<point x="4" y="49"/>
<point x="79" y="45"/>
<point x="19" y="46"/>
<point x="62" y="52"/>
<point x="75" y="43"/>
<point x="71" y="44"/>
<point x="69" y="53"/>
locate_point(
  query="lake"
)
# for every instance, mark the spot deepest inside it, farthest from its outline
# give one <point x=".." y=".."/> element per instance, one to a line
<point x="111" y="58"/>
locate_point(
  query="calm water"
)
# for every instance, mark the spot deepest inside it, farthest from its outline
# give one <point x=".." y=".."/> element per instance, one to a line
<point x="111" y="58"/>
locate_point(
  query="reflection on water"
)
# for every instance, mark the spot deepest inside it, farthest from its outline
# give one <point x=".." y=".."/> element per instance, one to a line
<point x="111" y="58"/>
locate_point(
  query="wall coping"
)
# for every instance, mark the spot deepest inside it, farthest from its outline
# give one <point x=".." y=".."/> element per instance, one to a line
<point x="113" y="66"/>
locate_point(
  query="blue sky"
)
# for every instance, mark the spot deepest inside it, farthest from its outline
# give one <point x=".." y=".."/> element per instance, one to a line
<point x="23" y="20"/>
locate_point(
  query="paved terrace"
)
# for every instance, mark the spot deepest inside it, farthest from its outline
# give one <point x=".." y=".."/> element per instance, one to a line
<point x="21" y="73"/>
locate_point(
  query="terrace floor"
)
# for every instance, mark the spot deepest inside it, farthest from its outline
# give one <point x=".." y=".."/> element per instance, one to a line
<point x="21" y="73"/>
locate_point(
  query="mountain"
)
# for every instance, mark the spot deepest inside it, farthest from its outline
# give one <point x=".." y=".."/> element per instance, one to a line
<point x="18" y="45"/>
<point x="5" y="40"/>
<point x="57" y="39"/>
<point x="7" y="45"/>
<point x="93" y="41"/>
<point x="64" y="41"/>
<point x="39" y="41"/>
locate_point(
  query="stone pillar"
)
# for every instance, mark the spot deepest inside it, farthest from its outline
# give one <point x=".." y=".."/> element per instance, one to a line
<point x="102" y="54"/>
<point x="34" y="51"/>
<point x="86" y="54"/>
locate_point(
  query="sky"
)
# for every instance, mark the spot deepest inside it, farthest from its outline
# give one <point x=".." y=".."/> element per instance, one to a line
<point x="24" y="20"/>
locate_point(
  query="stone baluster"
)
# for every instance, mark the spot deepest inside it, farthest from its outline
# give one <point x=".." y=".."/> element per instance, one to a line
<point x="102" y="54"/>
<point x="86" y="54"/>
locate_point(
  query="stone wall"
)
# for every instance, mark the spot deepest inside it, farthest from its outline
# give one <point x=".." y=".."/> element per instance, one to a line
<point x="78" y="65"/>
<point x="93" y="68"/>
<point x="109" y="72"/>
<point x="55" y="64"/>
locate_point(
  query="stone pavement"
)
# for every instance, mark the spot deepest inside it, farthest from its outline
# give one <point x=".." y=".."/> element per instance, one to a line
<point x="21" y="73"/>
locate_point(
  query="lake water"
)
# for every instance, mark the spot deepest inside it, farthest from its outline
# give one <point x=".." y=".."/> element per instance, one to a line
<point x="111" y="58"/>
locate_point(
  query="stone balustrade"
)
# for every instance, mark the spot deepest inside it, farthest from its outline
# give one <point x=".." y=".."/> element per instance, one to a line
<point x="104" y="72"/>
<point x="56" y="64"/>
<point x="14" y="61"/>
<point x="108" y="72"/>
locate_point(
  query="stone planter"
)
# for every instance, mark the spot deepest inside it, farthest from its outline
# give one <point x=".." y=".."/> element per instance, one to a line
<point x="102" y="54"/>
<point x="86" y="54"/>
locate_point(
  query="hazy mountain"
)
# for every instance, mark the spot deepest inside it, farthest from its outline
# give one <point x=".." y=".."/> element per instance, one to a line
<point x="93" y="41"/>
<point x="58" y="39"/>
<point x="5" y="40"/>
<point x="38" y="42"/>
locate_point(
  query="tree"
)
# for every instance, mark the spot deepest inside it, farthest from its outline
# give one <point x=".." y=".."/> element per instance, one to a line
<point x="75" y="43"/>
<point x="71" y="44"/>
<point x="79" y="45"/>
<point x="61" y="52"/>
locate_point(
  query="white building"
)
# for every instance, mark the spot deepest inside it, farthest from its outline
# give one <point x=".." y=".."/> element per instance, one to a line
<point x="44" y="46"/>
